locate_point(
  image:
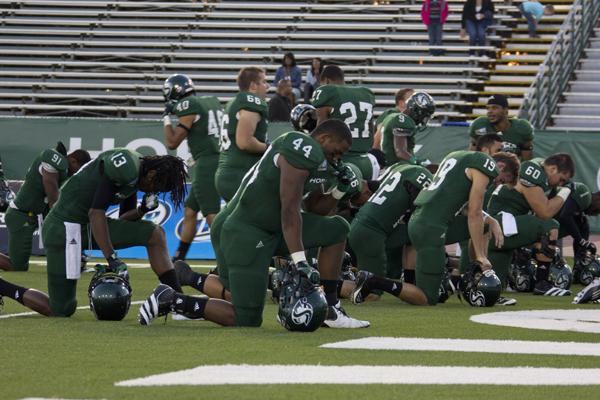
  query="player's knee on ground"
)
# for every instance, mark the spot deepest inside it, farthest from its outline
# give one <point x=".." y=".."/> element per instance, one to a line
<point x="248" y="317"/>
<point x="62" y="306"/>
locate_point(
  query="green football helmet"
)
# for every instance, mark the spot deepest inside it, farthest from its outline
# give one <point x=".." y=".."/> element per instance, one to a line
<point x="304" y="118"/>
<point x="480" y="289"/>
<point x="521" y="276"/>
<point x="586" y="269"/>
<point x="420" y="107"/>
<point x="302" y="304"/>
<point x="560" y="274"/>
<point x="177" y="86"/>
<point x="110" y="296"/>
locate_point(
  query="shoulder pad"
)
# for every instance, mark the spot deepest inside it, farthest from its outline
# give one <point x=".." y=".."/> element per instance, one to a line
<point x="251" y="102"/>
<point x="301" y="151"/>
<point x="323" y="96"/>
<point x="55" y="159"/>
<point x="122" y="167"/>
<point x="187" y="106"/>
<point x="532" y="174"/>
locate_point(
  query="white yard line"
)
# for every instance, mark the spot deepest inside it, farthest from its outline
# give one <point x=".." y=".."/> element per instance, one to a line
<point x="24" y="314"/>
<point x="576" y="320"/>
<point x="367" y="374"/>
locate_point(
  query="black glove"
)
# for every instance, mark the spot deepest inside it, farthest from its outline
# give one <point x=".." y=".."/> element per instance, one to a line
<point x="309" y="272"/>
<point x="149" y="203"/>
<point x="117" y="266"/>
<point x="169" y="107"/>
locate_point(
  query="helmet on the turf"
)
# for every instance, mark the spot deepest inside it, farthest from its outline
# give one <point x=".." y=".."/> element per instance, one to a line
<point x="560" y="274"/>
<point x="302" y="304"/>
<point x="304" y="118"/>
<point x="177" y="86"/>
<point x="110" y="296"/>
<point x="521" y="276"/>
<point x="586" y="269"/>
<point x="480" y="289"/>
<point x="420" y="107"/>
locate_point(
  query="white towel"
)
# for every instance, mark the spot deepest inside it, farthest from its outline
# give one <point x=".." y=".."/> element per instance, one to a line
<point x="509" y="224"/>
<point x="73" y="250"/>
<point x="40" y="219"/>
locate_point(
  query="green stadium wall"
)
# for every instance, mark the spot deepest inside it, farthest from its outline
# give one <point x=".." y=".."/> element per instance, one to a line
<point x="24" y="137"/>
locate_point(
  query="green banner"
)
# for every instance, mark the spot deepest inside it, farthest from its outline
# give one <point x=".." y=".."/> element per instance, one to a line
<point x="23" y="138"/>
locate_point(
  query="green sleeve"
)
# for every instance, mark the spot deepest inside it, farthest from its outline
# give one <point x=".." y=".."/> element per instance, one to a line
<point x="55" y="159"/>
<point x="255" y="104"/>
<point x="188" y="106"/>
<point x="301" y="151"/>
<point x="582" y="196"/>
<point x="532" y="174"/>
<point x="400" y="125"/>
<point x="484" y="163"/>
<point x="418" y="176"/>
<point x="525" y="130"/>
<point x="122" y="167"/>
<point x="324" y="96"/>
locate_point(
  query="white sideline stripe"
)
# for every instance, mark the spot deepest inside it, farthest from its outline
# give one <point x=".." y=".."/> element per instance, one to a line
<point x="366" y="374"/>
<point x="24" y="314"/>
<point x="50" y="398"/>
<point x="468" y="345"/>
<point x="132" y="265"/>
<point x="577" y="320"/>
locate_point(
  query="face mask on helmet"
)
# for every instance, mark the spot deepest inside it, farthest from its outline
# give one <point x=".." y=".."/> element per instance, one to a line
<point x="420" y="107"/>
<point x="302" y="304"/>
<point x="177" y="86"/>
<point x="480" y="289"/>
<point x="304" y="118"/>
<point x="109" y="296"/>
<point x="586" y="269"/>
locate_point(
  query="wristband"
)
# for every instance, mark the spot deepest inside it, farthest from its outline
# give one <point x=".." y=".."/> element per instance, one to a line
<point x="336" y="193"/>
<point x="298" y="256"/>
<point x="166" y="120"/>
<point x="564" y="193"/>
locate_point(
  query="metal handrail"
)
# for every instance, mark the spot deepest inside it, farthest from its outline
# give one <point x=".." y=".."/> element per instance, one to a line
<point x="561" y="60"/>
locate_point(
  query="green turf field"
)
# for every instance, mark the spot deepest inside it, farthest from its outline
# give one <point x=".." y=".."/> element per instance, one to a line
<point x="81" y="358"/>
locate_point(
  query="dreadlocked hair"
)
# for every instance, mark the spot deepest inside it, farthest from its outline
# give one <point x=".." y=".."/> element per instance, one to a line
<point x="171" y="175"/>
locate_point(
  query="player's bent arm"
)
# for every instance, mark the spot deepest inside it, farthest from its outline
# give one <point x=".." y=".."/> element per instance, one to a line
<point x="174" y="136"/>
<point x="244" y="133"/>
<point x="105" y="192"/>
<point x="400" y="148"/>
<point x="128" y="209"/>
<point x="542" y="206"/>
<point x="377" y="138"/>
<point x="320" y="203"/>
<point x="475" y="214"/>
<point x="323" y="114"/>
<point x="291" y="184"/>
<point x="50" y="182"/>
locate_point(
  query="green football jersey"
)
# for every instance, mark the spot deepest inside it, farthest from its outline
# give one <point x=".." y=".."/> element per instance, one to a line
<point x="532" y="174"/>
<point x="384" y="114"/>
<point x="353" y="105"/>
<point x="386" y="207"/>
<point x="120" y="165"/>
<point x="32" y="196"/>
<point x="509" y="200"/>
<point x="397" y="124"/>
<point x="231" y="155"/>
<point x="519" y="132"/>
<point x="258" y="198"/>
<point x="203" y="137"/>
<point x="449" y="192"/>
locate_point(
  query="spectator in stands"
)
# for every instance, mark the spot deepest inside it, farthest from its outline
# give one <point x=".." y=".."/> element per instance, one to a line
<point x="289" y="70"/>
<point x="434" y="14"/>
<point x="477" y="15"/>
<point x="533" y="11"/>
<point x="312" y="78"/>
<point x="280" y="104"/>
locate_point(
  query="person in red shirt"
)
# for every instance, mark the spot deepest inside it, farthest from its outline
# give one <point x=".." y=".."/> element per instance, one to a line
<point x="434" y="14"/>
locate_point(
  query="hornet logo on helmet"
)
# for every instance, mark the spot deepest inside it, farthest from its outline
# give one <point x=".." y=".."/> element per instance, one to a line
<point x="476" y="298"/>
<point x="302" y="313"/>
